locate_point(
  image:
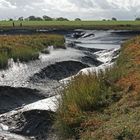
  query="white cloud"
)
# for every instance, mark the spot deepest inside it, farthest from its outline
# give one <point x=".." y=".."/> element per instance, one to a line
<point x="86" y="9"/>
<point x="6" y="4"/>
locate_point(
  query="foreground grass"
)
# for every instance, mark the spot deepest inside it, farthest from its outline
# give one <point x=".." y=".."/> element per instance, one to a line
<point x="135" y="25"/>
<point x="104" y="106"/>
<point x="26" y="47"/>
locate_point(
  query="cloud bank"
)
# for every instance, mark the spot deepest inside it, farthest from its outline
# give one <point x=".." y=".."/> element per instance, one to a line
<point x="85" y="9"/>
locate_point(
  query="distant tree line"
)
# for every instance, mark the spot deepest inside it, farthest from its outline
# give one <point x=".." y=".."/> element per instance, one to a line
<point x="43" y="18"/>
<point x="112" y="19"/>
<point x="115" y="19"/>
<point x="47" y="18"/>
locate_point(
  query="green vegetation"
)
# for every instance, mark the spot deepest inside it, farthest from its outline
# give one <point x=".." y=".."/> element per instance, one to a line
<point x="104" y="106"/>
<point x="26" y="47"/>
<point x="105" y="24"/>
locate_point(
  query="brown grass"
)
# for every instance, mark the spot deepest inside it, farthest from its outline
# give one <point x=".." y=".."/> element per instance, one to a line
<point x="107" y="106"/>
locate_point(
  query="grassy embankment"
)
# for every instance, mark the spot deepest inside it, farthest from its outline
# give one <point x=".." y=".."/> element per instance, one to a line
<point x="104" y="106"/>
<point x="26" y="47"/>
<point x="123" y="25"/>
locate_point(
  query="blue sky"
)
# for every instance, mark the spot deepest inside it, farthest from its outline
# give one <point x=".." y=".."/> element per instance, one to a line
<point x="85" y="9"/>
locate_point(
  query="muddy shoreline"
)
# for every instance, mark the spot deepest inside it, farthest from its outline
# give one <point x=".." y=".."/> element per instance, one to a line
<point x="12" y="98"/>
<point x="29" y="31"/>
<point x="25" y="31"/>
<point x="92" y="49"/>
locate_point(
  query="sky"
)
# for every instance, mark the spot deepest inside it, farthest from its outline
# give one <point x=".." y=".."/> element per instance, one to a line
<point x="84" y="9"/>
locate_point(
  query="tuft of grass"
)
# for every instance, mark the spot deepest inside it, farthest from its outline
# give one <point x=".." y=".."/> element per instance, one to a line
<point x="3" y="60"/>
<point x="85" y="93"/>
<point x="26" y="47"/>
<point x="24" y="54"/>
<point x="92" y="89"/>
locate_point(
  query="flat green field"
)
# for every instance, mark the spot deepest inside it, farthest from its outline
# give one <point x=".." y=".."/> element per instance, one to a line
<point x="74" y="24"/>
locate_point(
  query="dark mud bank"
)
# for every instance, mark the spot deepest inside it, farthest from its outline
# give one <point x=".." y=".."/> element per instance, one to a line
<point x="37" y="123"/>
<point x="59" y="71"/>
<point x="28" y="31"/>
<point x="12" y="98"/>
<point x="34" y="123"/>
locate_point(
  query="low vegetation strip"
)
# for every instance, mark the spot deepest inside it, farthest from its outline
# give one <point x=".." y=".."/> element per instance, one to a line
<point x="111" y="24"/>
<point x="26" y="47"/>
<point x="104" y="106"/>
